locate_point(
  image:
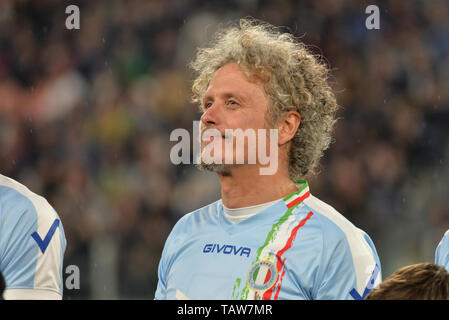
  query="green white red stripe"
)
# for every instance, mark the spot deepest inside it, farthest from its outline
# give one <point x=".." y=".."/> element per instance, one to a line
<point x="277" y="242"/>
<point x="281" y="260"/>
<point x="298" y="196"/>
<point x="262" y="275"/>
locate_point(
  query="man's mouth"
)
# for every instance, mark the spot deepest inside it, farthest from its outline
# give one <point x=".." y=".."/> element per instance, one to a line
<point x="210" y="135"/>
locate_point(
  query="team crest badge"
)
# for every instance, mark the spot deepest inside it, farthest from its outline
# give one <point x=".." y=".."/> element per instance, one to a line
<point x="262" y="275"/>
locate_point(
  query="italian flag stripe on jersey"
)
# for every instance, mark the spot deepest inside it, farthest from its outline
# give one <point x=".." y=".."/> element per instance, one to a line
<point x="298" y="196"/>
<point x="278" y="240"/>
<point x="262" y="275"/>
<point x="280" y="261"/>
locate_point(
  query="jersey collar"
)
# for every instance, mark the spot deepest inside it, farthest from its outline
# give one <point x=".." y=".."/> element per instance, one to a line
<point x="299" y="195"/>
<point x="280" y="207"/>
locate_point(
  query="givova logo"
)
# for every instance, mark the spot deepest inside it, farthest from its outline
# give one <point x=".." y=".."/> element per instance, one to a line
<point x="226" y="249"/>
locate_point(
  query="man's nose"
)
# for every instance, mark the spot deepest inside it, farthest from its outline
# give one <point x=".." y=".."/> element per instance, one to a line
<point x="211" y="115"/>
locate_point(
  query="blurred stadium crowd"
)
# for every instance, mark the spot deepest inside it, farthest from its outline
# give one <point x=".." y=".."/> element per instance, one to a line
<point x="85" y="118"/>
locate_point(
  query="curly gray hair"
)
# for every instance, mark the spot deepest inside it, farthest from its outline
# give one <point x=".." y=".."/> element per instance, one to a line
<point x="294" y="79"/>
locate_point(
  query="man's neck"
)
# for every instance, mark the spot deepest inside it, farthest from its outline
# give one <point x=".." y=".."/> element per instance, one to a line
<point x="243" y="186"/>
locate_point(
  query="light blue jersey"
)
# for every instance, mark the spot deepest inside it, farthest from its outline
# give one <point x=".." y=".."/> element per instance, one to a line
<point x="32" y="244"/>
<point x="442" y="251"/>
<point x="298" y="248"/>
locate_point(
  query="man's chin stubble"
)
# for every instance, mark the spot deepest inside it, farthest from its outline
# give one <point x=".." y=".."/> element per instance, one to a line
<point x="221" y="169"/>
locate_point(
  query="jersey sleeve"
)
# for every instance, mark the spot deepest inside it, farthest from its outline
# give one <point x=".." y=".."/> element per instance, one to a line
<point x="161" y="284"/>
<point x="169" y="253"/>
<point x="351" y="268"/>
<point x="32" y="245"/>
<point x="442" y="251"/>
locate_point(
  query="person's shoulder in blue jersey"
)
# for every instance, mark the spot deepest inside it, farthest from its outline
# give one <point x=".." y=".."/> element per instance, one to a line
<point x="442" y="251"/>
<point x="267" y="237"/>
<point x="32" y="244"/>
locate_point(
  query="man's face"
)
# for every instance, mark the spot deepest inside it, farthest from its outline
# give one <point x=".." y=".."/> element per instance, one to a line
<point x="232" y="101"/>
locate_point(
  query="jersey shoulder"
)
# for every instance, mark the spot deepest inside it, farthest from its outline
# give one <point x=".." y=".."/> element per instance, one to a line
<point x="442" y="251"/>
<point x="337" y="229"/>
<point x="32" y="243"/>
<point x="347" y="251"/>
<point x="445" y="240"/>
<point x="192" y="221"/>
<point x="331" y="221"/>
<point x="189" y="225"/>
<point x="19" y="202"/>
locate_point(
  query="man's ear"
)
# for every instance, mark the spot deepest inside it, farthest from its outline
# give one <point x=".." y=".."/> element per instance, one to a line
<point x="287" y="125"/>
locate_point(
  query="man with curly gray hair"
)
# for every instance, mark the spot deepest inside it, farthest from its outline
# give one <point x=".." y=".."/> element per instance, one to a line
<point x="267" y="237"/>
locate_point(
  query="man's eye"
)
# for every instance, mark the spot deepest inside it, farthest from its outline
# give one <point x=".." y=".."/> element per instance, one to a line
<point x="232" y="102"/>
<point x="208" y="105"/>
